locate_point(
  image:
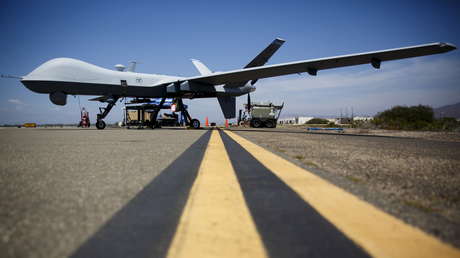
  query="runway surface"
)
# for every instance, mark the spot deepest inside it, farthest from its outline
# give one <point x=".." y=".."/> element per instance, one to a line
<point x="181" y="193"/>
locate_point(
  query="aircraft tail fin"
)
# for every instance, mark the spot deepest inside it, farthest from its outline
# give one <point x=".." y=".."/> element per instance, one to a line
<point x="228" y="106"/>
<point x="203" y="69"/>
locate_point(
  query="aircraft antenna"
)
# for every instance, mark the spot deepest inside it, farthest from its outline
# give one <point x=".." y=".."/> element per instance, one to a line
<point x="132" y="66"/>
<point x="120" y="67"/>
<point x="7" y="76"/>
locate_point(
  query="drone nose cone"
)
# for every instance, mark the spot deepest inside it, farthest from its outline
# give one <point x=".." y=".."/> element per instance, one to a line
<point x="36" y="86"/>
<point x="54" y="69"/>
<point x="40" y="80"/>
<point x="31" y="85"/>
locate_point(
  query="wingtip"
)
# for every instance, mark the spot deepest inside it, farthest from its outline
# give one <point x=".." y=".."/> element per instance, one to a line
<point x="448" y="46"/>
<point x="280" y="40"/>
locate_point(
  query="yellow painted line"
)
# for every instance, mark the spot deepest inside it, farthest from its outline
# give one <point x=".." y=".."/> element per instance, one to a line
<point x="216" y="221"/>
<point x="377" y="232"/>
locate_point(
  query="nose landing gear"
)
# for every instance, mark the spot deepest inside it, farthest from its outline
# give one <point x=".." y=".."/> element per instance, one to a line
<point x="103" y="112"/>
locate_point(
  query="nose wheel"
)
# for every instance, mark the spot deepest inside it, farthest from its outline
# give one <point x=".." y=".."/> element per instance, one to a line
<point x="103" y="112"/>
<point x="100" y="124"/>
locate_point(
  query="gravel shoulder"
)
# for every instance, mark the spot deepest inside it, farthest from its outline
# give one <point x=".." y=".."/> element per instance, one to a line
<point x="415" y="177"/>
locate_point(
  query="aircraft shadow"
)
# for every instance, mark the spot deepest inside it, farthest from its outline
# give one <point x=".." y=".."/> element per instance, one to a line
<point x="145" y="226"/>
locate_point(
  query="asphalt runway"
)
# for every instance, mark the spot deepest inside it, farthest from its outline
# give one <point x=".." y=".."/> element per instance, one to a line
<point x="180" y="193"/>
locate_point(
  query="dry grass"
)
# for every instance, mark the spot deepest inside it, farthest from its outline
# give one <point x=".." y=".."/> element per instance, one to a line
<point x="419" y="205"/>
<point x="299" y="157"/>
<point x="310" y="163"/>
<point x="354" y="179"/>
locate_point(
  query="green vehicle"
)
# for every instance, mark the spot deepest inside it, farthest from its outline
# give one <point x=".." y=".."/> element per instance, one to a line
<point x="262" y="114"/>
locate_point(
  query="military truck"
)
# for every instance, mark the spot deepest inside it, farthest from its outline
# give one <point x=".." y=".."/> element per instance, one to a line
<point x="260" y="114"/>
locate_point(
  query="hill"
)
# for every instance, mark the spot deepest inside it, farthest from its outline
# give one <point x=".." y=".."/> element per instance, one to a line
<point x="448" y="111"/>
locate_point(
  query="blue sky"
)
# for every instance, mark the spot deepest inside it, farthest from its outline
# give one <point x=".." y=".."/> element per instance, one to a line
<point x="226" y="35"/>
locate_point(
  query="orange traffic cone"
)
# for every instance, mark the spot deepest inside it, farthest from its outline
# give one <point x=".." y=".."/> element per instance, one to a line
<point x="226" y="123"/>
<point x="207" y="122"/>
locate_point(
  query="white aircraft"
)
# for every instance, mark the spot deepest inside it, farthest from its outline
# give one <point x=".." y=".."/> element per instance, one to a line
<point x="65" y="76"/>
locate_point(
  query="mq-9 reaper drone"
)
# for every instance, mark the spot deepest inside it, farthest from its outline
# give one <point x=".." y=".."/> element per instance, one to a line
<point x="66" y="76"/>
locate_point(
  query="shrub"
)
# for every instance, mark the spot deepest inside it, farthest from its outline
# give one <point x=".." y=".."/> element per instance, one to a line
<point x="316" y="121"/>
<point x="413" y="118"/>
<point x="331" y="124"/>
<point x="446" y="124"/>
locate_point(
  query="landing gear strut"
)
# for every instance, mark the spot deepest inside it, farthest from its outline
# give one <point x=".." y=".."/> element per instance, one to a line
<point x="103" y="112"/>
<point x="193" y="123"/>
<point x="153" y="119"/>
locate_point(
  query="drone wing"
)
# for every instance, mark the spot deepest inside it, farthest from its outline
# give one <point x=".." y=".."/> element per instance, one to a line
<point x="312" y="66"/>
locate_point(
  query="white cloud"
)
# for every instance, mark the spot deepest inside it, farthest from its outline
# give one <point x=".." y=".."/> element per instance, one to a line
<point x="16" y="102"/>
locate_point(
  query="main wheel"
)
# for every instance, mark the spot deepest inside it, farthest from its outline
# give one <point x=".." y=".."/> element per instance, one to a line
<point x="100" y="124"/>
<point x="256" y="123"/>
<point x="270" y="124"/>
<point x="195" y="123"/>
<point x="151" y="125"/>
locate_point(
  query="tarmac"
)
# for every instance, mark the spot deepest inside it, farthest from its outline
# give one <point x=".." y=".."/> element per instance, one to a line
<point x="181" y="193"/>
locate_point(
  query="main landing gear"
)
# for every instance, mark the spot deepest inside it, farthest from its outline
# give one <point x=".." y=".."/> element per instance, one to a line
<point x="189" y="121"/>
<point x="153" y="122"/>
<point x="103" y="112"/>
<point x="193" y="123"/>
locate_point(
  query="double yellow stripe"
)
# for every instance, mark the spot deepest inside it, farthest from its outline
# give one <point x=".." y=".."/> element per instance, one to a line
<point x="380" y="234"/>
<point x="216" y="221"/>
